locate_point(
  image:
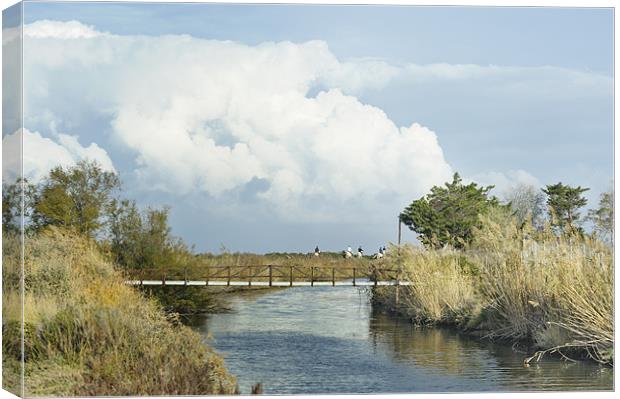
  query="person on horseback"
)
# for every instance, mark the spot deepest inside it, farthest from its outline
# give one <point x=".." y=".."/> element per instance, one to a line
<point x="348" y="253"/>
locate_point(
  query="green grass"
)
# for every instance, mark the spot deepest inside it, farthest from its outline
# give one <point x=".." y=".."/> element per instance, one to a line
<point x="87" y="333"/>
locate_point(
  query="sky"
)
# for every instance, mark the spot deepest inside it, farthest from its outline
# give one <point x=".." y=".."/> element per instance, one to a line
<point x="281" y="127"/>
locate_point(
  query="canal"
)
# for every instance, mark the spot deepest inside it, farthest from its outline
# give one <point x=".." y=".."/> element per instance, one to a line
<point x="330" y="340"/>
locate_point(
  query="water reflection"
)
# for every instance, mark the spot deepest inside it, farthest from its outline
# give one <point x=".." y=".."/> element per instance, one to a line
<point x="442" y="350"/>
<point x="447" y="352"/>
<point x="330" y="340"/>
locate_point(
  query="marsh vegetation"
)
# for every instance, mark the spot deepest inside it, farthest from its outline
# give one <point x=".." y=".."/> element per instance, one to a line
<point x="504" y="271"/>
<point x="512" y="275"/>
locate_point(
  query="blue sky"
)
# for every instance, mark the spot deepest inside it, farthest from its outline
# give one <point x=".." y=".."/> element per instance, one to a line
<point x="526" y="36"/>
<point x="508" y="95"/>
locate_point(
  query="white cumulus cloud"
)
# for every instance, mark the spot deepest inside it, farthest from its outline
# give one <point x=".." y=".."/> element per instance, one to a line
<point x="212" y="116"/>
<point x="41" y="154"/>
<point x="59" y="30"/>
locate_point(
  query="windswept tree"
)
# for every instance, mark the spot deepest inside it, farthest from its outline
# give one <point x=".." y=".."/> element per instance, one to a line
<point x="77" y="197"/>
<point x="603" y="216"/>
<point x="563" y="203"/>
<point x="527" y="204"/>
<point x="448" y="214"/>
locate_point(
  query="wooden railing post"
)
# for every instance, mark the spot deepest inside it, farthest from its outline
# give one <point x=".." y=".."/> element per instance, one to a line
<point x="312" y="276"/>
<point x="270" y="275"/>
<point x="163" y="279"/>
<point x="374" y="268"/>
<point x="228" y="281"/>
<point x="291" y="276"/>
<point x="333" y="277"/>
<point x="249" y="276"/>
<point x="354" y="277"/>
<point x="208" y="275"/>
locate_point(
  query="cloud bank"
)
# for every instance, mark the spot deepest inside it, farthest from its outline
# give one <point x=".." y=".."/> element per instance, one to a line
<point x="282" y="121"/>
<point x="217" y="116"/>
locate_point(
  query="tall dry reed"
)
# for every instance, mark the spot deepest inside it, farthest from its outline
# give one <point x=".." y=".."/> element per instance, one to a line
<point x="514" y="283"/>
<point x="554" y="290"/>
<point x="441" y="290"/>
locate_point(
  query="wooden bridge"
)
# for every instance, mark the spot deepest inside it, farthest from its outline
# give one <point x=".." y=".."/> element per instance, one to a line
<point x="268" y="276"/>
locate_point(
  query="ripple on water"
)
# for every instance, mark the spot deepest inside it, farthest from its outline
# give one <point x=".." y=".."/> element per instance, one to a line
<point x="328" y="340"/>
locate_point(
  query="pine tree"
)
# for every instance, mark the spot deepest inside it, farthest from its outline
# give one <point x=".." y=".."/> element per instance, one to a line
<point x="563" y="202"/>
<point x="448" y="214"/>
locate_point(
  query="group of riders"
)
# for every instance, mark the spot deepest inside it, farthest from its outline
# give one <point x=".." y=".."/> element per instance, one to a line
<point x="348" y="253"/>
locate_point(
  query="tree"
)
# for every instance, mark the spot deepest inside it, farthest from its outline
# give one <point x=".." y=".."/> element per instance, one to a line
<point x="143" y="239"/>
<point x="12" y="211"/>
<point x="448" y="214"/>
<point x="125" y="230"/>
<point x="603" y="217"/>
<point x="78" y="197"/>
<point x="527" y="204"/>
<point x="158" y="244"/>
<point x="564" y="202"/>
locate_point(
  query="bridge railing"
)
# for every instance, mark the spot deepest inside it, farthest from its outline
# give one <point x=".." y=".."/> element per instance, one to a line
<point x="264" y="273"/>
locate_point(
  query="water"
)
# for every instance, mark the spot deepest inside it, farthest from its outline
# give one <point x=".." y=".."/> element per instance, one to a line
<point x="329" y="340"/>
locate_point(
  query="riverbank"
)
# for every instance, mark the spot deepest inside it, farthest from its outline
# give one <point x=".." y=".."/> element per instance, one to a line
<point x="88" y="334"/>
<point x="514" y="284"/>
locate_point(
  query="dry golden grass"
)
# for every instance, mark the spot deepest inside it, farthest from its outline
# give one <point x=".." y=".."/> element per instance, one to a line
<point x="243" y="265"/>
<point x="515" y="283"/>
<point x="89" y="334"/>
<point x="442" y="291"/>
<point x="556" y="291"/>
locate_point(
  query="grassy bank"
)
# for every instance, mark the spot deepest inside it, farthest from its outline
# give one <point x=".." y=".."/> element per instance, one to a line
<point x="86" y="333"/>
<point x="515" y="284"/>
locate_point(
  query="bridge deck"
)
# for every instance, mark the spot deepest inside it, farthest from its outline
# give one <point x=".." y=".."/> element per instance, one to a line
<point x="265" y="283"/>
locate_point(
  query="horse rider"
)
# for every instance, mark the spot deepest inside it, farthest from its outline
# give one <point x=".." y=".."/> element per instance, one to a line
<point x="348" y="253"/>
